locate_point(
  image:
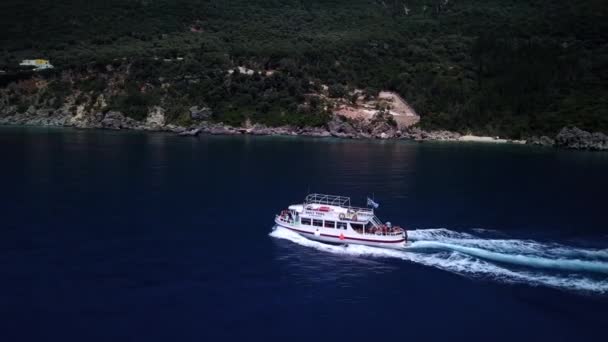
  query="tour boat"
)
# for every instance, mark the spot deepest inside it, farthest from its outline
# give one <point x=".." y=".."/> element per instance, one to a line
<point x="332" y="219"/>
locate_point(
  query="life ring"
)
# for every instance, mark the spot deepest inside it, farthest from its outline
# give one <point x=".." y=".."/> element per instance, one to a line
<point x="341" y="216"/>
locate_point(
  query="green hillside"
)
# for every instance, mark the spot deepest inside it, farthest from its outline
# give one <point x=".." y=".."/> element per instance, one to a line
<point x="508" y="67"/>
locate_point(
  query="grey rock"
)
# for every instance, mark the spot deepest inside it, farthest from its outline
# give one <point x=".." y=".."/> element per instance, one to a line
<point x="113" y="120"/>
<point x="175" y="129"/>
<point x="283" y="130"/>
<point x="259" y="130"/>
<point x="8" y="111"/>
<point x="155" y="119"/>
<point x="382" y="127"/>
<point x="540" y="141"/>
<point x="315" y="132"/>
<point x="343" y="135"/>
<point x="575" y="138"/>
<point x="444" y="135"/>
<point x="339" y="127"/>
<point x="221" y="129"/>
<point x="418" y="134"/>
<point x="44" y="112"/>
<point x="203" y="113"/>
<point x="190" y="133"/>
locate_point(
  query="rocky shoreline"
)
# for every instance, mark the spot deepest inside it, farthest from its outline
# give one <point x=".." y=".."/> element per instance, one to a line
<point x="155" y="121"/>
<point x="95" y="99"/>
<point x="573" y="138"/>
<point x="569" y="138"/>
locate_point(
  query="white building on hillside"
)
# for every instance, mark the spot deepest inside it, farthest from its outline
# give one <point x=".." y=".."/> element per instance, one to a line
<point x="38" y="64"/>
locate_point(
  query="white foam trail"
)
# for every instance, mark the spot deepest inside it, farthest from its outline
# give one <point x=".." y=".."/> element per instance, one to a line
<point x="459" y="262"/>
<point x="518" y="259"/>
<point x="510" y="246"/>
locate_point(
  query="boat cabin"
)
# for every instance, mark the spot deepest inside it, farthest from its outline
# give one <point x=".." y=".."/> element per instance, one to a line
<point x="335" y="212"/>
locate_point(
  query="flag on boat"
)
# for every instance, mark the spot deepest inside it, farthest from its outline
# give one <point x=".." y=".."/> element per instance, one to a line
<point x="371" y="203"/>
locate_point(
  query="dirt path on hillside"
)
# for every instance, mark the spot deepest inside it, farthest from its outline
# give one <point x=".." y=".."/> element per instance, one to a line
<point x="404" y="114"/>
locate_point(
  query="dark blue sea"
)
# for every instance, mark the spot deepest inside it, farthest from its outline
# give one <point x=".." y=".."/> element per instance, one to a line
<point x="126" y="236"/>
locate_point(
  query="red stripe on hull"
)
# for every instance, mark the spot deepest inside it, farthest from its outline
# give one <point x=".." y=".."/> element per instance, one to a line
<point x="345" y="238"/>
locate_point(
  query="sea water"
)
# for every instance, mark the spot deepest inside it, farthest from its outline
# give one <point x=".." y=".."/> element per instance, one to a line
<point x="110" y="235"/>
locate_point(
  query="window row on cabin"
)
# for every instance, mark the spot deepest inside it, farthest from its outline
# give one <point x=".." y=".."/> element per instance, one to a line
<point x="321" y="223"/>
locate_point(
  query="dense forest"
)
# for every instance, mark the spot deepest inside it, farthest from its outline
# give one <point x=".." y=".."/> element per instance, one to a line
<point x="500" y="67"/>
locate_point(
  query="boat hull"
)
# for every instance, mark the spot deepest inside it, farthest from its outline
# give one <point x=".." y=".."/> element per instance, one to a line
<point x="335" y="236"/>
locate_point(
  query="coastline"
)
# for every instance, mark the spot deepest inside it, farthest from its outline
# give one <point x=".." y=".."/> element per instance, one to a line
<point x="415" y="134"/>
<point x="568" y="137"/>
<point x="388" y="117"/>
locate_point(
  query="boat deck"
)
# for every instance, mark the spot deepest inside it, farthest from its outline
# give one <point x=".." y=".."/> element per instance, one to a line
<point x="338" y="201"/>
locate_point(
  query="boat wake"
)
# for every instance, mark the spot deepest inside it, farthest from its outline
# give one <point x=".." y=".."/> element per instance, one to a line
<point x="473" y="255"/>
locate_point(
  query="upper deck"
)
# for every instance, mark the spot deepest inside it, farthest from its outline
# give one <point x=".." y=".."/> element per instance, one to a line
<point x="338" y="201"/>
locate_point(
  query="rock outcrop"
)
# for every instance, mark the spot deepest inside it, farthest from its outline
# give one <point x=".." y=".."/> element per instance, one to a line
<point x="341" y="128"/>
<point x="190" y="133"/>
<point x="540" y="141"/>
<point x="381" y="126"/>
<point x="156" y="117"/>
<point x="314" y="132"/>
<point x="418" y="134"/>
<point x="575" y="138"/>
<point x="115" y="120"/>
<point x="200" y="113"/>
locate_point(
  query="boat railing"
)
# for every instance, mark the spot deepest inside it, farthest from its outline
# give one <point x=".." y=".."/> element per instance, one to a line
<point x="395" y="233"/>
<point x="376" y="221"/>
<point x="285" y="218"/>
<point x="380" y="233"/>
<point x="328" y="199"/>
<point x="339" y="201"/>
<point x="359" y="210"/>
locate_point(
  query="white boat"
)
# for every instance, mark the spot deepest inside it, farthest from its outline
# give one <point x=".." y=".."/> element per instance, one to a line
<point x="332" y="219"/>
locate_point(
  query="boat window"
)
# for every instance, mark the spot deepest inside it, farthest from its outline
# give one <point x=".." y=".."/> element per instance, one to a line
<point x="356" y="226"/>
<point x="330" y="224"/>
<point x="341" y="225"/>
<point x="305" y="221"/>
<point x="317" y="223"/>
